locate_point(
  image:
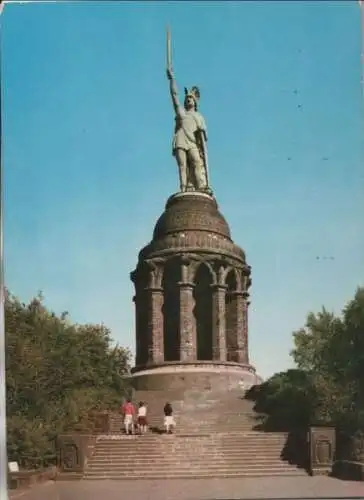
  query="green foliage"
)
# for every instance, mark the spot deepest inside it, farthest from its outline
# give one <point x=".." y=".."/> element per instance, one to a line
<point x="56" y="374"/>
<point x="332" y="350"/>
<point x="328" y="385"/>
<point x="284" y="400"/>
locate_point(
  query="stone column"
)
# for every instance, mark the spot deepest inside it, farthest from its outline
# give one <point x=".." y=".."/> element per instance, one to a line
<point x="242" y="354"/>
<point x="138" y="353"/>
<point x="155" y="324"/>
<point x="246" y="328"/>
<point x="218" y="322"/>
<point x="187" y="323"/>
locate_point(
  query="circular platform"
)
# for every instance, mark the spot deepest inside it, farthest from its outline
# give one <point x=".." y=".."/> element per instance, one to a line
<point x="199" y="375"/>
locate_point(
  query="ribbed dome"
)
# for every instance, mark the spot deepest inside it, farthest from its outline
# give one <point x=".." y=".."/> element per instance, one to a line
<point x="191" y="212"/>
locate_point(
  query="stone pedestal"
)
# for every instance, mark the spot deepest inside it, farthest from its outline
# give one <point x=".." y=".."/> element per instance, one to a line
<point x="191" y="287"/>
<point x="200" y="376"/>
<point x="322" y="442"/>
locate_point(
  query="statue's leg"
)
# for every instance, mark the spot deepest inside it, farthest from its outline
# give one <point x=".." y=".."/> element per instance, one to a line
<point x="191" y="182"/>
<point x="181" y="157"/>
<point x="198" y="168"/>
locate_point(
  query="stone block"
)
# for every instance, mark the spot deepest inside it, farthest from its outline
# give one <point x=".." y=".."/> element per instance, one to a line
<point x="322" y="443"/>
<point x="26" y="478"/>
<point x="73" y="452"/>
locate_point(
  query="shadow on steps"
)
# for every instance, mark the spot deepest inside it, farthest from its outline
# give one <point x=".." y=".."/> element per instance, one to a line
<point x="156" y="430"/>
<point x="283" y="408"/>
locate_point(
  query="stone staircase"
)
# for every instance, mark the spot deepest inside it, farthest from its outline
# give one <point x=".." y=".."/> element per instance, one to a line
<point x="214" y="437"/>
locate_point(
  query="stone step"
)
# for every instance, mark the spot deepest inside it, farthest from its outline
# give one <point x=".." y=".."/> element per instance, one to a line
<point x="181" y="455"/>
<point x="175" y="448"/>
<point x="213" y="426"/>
<point x="242" y="434"/>
<point x="210" y="428"/>
<point x="195" y="410"/>
<point x="187" y="468"/>
<point x="113" y="463"/>
<point x="196" y="421"/>
<point x="147" y="451"/>
<point x="199" y="464"/>
<point x="187" y="455"/>
<point x="195" y="418"/>
<point x="188" y="446"/>
<point x="182" y="431"/>
<point x="244" y="426"/>
<point x="218" y="428"/>
<point x="191" y="409"/>
<point x="183" y="446"/>
<point x="180" y="439"/>
<point x="214" y="437"/>
<point x="201" y="474"/>
<point x="181" y="452"/>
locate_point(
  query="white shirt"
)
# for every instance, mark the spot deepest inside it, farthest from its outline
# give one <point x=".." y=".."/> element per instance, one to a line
<point x="142" y="411"/>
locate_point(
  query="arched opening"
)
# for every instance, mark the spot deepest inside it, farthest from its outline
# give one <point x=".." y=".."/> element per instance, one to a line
<point x="203" y="312"/>
<point x="171" y="310"/>
<point x="231" y="317"/>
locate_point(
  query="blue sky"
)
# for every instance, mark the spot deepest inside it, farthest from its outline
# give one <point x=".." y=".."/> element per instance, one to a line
<point x="87" y="151"/>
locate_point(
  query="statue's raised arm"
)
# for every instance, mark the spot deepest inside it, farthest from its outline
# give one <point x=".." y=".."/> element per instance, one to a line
<point x="190" y="135"/>
<point x="173" y="90"/>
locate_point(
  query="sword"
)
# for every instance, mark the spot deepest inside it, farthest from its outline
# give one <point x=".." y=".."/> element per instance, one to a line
<point x="205" y="157"/>
<point x="169" y="50"/>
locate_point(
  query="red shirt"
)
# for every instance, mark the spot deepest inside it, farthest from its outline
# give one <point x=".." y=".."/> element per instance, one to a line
<point x="128" y="409"/>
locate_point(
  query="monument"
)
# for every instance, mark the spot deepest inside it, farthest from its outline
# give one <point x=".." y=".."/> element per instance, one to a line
<point x="191" y="281"/>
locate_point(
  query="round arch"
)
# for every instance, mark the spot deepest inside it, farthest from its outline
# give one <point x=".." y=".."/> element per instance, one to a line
<point x="202" y="312"/>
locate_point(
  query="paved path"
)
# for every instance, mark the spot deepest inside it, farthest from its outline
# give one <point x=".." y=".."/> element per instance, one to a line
<point x="197" y="489"/>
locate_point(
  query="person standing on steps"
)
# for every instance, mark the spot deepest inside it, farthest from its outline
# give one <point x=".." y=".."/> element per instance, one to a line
<point x="169" y="421"/>
<point x="142" y="418"/>
<point x="128" y="412"/>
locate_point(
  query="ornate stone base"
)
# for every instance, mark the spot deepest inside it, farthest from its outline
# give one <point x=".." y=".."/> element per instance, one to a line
<point x="199" y="375"/>
<point x="322" y="450"/>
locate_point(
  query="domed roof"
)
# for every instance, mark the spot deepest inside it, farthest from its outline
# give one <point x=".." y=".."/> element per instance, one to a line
<point x="191" y="212"/>
<point x="191" y="222"/>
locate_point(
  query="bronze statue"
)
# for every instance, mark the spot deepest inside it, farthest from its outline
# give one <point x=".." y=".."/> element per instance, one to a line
<point x="190" y="135"/>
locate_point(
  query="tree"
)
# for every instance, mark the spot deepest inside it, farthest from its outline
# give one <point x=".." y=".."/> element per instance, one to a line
<point x="328" y="385"/>
<point x="57" y="373"/>
<point x="332" y="350"/>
